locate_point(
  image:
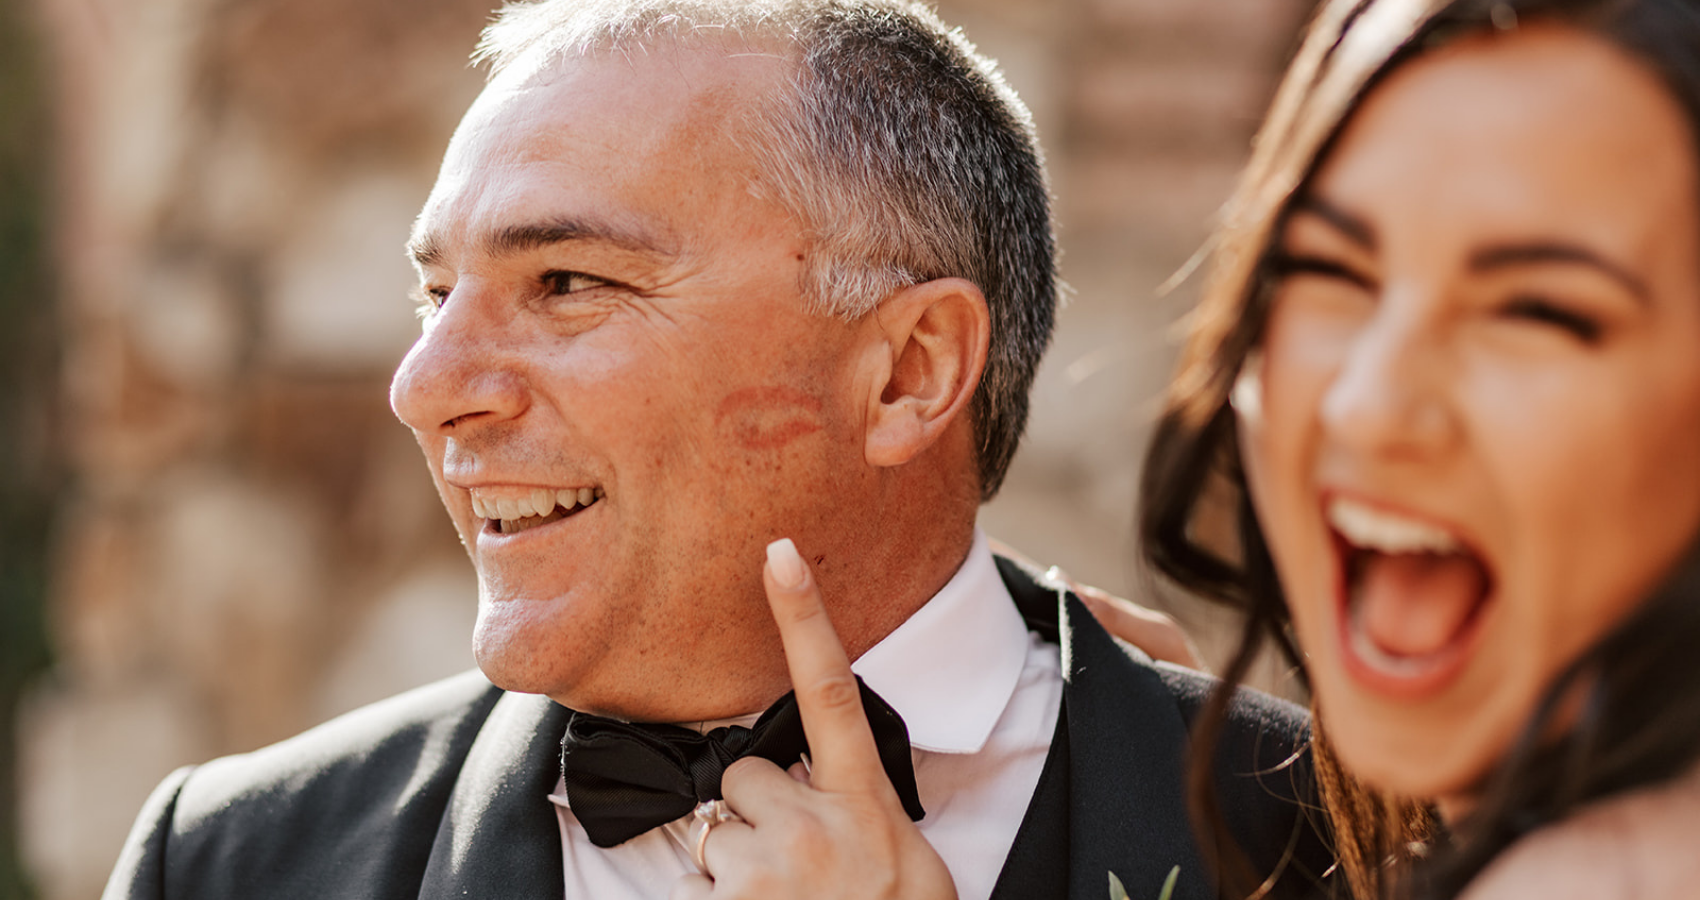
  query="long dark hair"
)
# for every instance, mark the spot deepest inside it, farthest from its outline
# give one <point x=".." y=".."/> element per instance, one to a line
<point x="1640" y="720"/>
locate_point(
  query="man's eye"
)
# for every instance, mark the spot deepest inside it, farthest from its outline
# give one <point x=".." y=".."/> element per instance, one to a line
<point x="563" y="282"/>
<point x="428" y="300"/>
<point x="1541" y="310"/>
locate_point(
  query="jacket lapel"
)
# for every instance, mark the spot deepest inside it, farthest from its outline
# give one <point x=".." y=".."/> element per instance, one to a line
<point x="1037" y="865"/>
<point x="1116" y="774"/>
<point x="499" y="836"/>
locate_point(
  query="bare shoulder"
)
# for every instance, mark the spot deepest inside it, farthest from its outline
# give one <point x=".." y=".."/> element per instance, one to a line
<point x="1638" y="845"/>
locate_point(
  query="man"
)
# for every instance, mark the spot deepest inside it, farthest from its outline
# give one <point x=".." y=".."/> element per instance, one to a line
<point x="698" y="275"/>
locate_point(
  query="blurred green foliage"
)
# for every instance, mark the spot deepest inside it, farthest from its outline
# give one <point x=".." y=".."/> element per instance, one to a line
<point x="30" y="470"/>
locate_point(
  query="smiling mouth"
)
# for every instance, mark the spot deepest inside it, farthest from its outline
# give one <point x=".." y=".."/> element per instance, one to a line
<point x="514" y="513"/>
<point x="1414" y="594"/>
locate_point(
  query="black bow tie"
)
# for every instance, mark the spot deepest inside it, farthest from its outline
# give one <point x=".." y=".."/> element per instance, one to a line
<point x="624" y="779"/>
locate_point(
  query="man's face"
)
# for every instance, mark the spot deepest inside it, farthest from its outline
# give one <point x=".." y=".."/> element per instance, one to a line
<point x="615" y="318"/>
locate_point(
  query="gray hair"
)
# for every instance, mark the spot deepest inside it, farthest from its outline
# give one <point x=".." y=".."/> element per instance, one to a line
<point x="901" y="150"/>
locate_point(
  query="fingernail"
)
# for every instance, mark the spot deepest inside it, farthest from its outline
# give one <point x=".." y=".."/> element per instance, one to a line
<point x="784" y="563"/>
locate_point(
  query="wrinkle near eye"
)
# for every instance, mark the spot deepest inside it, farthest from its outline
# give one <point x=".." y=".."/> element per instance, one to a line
<point x="577" y="313"/>
<point x="666" y="313"/>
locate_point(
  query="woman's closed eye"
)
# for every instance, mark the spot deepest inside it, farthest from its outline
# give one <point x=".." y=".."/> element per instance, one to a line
<point x="1287" y="265"/>
<point x="1547" y="312"/>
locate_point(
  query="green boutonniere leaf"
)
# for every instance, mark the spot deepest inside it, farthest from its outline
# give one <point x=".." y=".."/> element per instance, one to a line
<point x="1118" y="892"/>
<point x="1169" y="883"/>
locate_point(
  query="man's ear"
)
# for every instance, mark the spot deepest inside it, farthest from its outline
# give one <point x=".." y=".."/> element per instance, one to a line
<point x="934" y="339"/>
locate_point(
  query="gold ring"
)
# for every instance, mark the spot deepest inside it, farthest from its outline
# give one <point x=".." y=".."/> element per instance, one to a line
<point x="709" y="813"/>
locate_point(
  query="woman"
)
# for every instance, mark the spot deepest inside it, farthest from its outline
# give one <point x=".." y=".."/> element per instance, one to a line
<point x="1447" y="367"/>
<point x="1449" y="363"/>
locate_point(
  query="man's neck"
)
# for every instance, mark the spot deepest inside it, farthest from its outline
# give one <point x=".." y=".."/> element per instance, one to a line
<point x="893" y="587"/>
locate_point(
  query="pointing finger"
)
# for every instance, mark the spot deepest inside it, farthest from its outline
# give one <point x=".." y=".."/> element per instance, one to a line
<point x="843" y="754"/>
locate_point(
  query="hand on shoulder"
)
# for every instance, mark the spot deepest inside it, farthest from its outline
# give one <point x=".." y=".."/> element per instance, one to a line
<point x="1156" y="633"/>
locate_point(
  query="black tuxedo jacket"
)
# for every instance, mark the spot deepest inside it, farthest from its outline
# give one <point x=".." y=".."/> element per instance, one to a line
<point x="442" y="793"/>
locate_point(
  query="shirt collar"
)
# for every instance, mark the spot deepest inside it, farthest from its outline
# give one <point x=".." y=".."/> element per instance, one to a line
<point x="952" y="667"/>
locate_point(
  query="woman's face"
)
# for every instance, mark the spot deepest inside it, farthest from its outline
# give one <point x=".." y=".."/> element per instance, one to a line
<point x="1477" y="440"/>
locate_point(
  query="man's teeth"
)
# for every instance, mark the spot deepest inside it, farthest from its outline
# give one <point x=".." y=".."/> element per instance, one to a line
<point x="1373" y="529"/>
<point x="539" y="502"/>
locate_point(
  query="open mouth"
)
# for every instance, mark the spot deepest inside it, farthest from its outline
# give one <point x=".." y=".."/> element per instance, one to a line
<point x="513" y="513"/>
<point x="1413" y="595"/>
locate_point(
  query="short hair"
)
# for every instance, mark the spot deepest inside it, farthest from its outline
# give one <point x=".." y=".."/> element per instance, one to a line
<point x="899" y="148"/>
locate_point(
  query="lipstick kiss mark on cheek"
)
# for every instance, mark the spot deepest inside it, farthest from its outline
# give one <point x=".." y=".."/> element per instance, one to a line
<point x="761" y="419"/>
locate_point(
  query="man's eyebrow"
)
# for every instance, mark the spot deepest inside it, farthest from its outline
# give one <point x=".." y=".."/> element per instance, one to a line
<point x="426" y="249"/>
<point x="530" y="236"/>
<point x="1354" y="228"/>
<point x="1501" y="256"/>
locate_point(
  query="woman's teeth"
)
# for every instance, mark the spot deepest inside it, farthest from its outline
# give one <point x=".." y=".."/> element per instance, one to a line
<point x="511" y="513"/>
<point x="1368" y="528"/>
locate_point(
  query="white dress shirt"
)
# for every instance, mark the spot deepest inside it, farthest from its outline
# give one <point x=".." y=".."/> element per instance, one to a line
<point x="980" y="697"/>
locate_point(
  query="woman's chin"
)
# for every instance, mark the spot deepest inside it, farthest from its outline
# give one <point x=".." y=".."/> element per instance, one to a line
<point x="1398" y="753"/>
<point x="1448" y="787"/>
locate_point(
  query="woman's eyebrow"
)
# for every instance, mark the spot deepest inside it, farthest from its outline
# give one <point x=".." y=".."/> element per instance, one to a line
<point x="1353" y="227"/>
<point x="1500" y="256"/>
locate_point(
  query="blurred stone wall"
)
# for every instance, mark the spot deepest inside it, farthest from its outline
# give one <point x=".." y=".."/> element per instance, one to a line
<point x="29" y="468"/>
<point x="249" y="542"/>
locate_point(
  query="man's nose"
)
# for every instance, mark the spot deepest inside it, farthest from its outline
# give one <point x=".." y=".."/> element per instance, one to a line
<point x="461" y="372"/>
<point x="1390" y="395"/>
